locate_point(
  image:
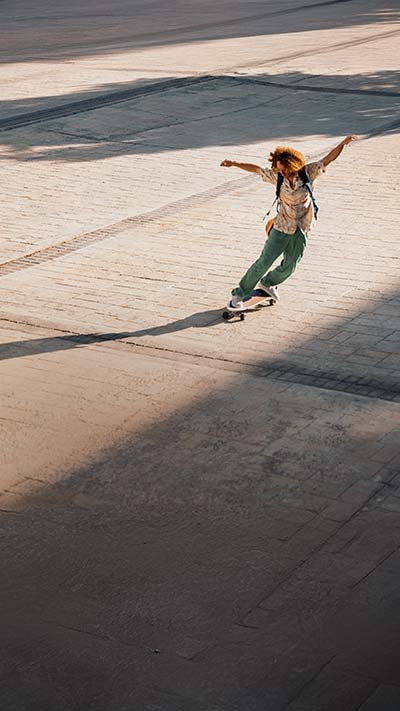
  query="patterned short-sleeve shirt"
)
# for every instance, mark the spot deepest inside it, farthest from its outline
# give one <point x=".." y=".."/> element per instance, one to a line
<point x="295" y="207"/>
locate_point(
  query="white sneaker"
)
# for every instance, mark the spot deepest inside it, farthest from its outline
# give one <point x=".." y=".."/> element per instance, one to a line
<point x="235" y="302"/>
<point x="270" y="290"/>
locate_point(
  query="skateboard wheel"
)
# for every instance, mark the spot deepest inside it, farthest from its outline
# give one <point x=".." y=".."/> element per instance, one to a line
<point x="226" y="315"/>
<point x="242" y="317"/>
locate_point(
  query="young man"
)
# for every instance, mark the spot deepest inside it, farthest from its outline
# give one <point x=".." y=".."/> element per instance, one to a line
<point x="296" y="208"/>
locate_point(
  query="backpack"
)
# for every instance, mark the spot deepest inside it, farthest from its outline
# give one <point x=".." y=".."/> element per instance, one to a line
<point x="306" y="183"/>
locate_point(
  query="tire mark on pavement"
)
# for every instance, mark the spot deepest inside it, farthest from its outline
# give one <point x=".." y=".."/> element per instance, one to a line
<point x="97" y="102"/>
<point x="20" y="120"/>
<point x="143" y="39"/>
<point x="116" y="138"/>
<point x="319" y="89"/>
<point x="323" y="49"/>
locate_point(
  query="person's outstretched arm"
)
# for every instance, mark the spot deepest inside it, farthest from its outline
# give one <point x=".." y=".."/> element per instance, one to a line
<point x="335" y="152"/>
<point x="250" y="167"/>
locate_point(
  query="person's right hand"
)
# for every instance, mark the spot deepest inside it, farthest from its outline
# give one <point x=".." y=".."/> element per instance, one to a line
<point x="227" y="164"/>
<point x="349" y="139"/>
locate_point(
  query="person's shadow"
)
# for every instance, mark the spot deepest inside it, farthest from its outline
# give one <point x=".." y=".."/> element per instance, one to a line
<point x="17" y="349"/>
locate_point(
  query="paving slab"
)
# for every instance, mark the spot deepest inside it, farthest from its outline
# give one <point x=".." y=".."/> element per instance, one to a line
<point x="182" y="535"/>
<point x="198" y="515"/>
<point x="168" y="277"/>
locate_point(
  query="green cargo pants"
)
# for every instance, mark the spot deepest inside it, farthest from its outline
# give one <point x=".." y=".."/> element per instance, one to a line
<point x="292" y="248"/>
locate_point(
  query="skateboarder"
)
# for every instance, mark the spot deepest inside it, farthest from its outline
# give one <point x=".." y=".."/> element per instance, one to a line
<point x="296" y="215"/>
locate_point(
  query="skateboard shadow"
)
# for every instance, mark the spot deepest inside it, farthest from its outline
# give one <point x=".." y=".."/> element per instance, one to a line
<point x="201" y="319"/>
<point x="18" y="349"/>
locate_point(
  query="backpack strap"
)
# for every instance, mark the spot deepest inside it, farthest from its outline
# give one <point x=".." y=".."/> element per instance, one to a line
<point x="307" y="185"/>
<point x="279" y="182"/>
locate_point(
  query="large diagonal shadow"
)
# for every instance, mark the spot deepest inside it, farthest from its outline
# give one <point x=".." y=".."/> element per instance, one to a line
<point x="253" y="529"/>
<point x="37" y="33"/>
<point x="190" y="117"/>
<point x="240" y="553"/>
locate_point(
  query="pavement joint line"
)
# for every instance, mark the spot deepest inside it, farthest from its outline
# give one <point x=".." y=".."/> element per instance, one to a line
<point x="20" y="120"/>
<point x="281" y="371"/>
<point x="309" y="682"/>
<point x="381" y="560"/>
<point x="321" y="544"/>
<point x="370" y="693"/>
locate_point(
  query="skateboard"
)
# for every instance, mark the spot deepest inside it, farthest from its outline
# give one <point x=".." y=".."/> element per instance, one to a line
<point x="253" y="302"/>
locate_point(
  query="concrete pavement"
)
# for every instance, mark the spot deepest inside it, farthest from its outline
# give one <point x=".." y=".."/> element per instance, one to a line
<point x="198" y="514"/>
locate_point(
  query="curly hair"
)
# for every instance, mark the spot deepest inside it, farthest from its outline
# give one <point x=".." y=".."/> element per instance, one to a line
<point x="292" y="160"/>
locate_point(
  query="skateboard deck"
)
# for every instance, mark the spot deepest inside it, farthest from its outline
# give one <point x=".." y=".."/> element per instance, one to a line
<point x="253" y="302"/>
